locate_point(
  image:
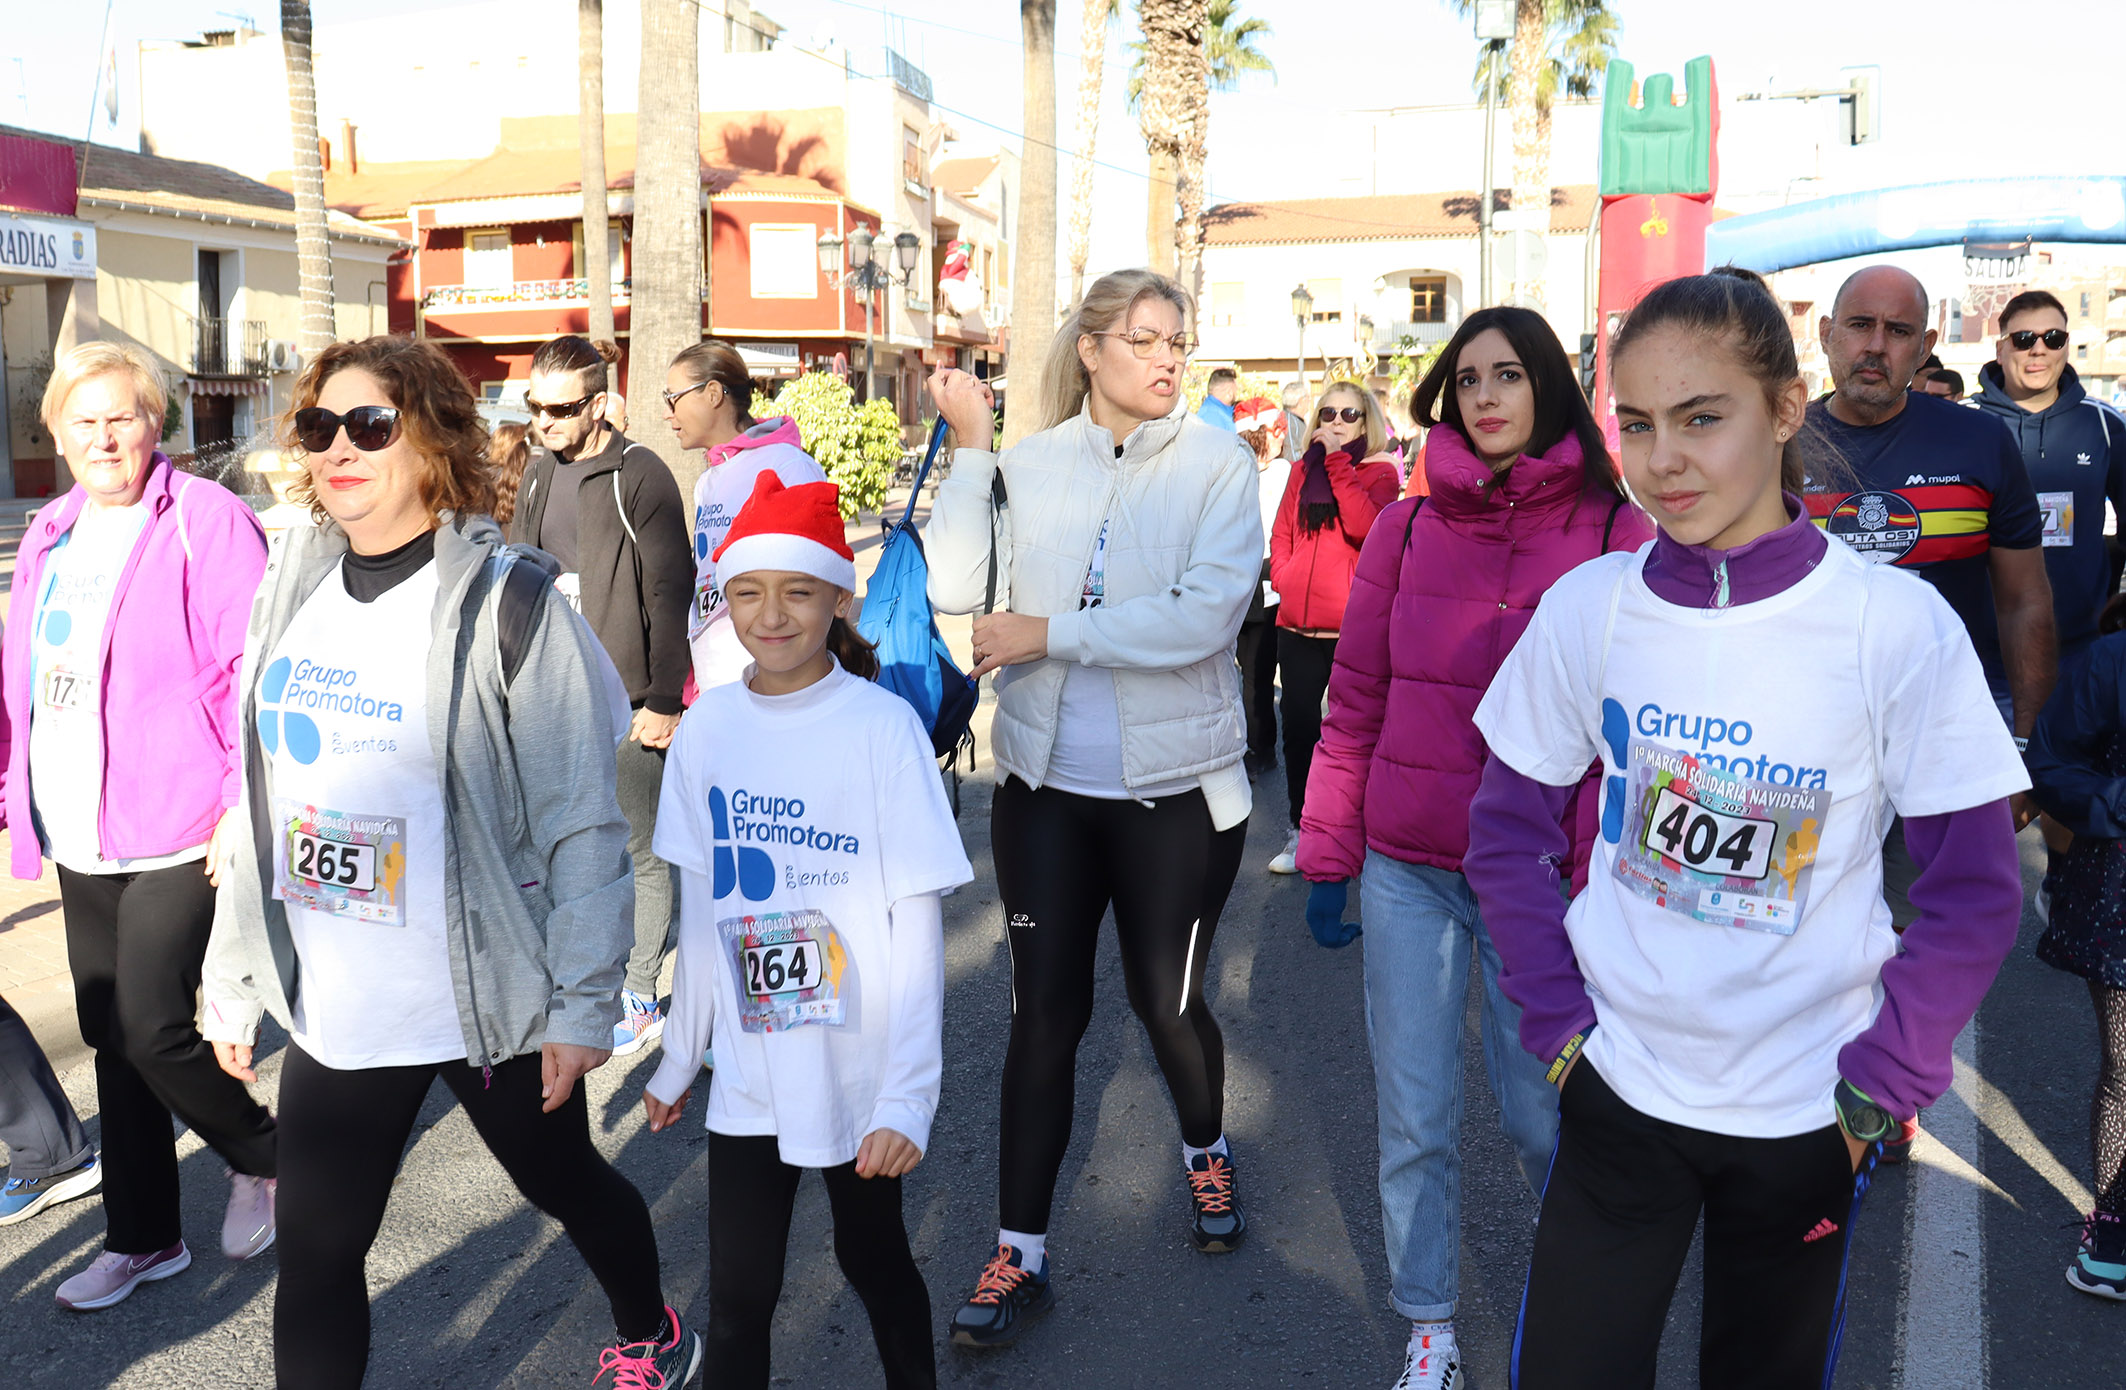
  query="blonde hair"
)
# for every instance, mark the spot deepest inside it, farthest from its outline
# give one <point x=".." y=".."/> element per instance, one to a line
<point x="1376" y="422"/>
<point x="86" y="361"/>
<point x="1107" y="302"/>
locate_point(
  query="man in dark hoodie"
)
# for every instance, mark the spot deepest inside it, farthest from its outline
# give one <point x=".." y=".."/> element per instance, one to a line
<point x="2075" y="450"/>
<point x="608" y="509"/>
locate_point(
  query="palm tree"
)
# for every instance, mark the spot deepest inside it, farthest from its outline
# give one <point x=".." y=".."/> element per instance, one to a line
<point x="1092" y="70"/>
<point x="1033" y="285"/>
<point x="313" y="248"/>
<point x="1192" y="61"/>
<point x="666" y="307"/>
<point x="590" y="135"/>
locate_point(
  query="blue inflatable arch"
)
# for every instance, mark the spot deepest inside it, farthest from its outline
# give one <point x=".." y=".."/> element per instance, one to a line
<point x="1927" y="214"/>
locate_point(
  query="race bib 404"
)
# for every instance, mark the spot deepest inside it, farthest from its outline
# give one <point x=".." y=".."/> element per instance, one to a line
<point x="340" y="863"/>
<point x="1727" y="850"/>
<point x="791" y="969"/>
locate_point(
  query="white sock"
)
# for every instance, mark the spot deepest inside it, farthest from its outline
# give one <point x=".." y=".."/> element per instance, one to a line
<point x="1189" y="1155"/>
<point x="1441" y="1333"/>
<point x="1033" y="1249"/>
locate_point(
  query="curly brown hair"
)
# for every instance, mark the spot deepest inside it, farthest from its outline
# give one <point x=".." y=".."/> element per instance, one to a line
<point x="437" y="414"/>
<point x="508" y="450"/>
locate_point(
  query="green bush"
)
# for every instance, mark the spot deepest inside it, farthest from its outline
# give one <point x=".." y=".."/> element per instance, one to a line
<point x="857" y="446"/>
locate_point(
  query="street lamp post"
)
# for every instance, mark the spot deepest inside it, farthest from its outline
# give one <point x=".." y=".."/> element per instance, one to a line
<point x="1494" y="26"/>
<point x="867" y="277"/>
<point x="1302" y="310"/>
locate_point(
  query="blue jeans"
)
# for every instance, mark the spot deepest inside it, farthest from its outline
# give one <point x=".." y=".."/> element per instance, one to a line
<point x="1421" y="924"/>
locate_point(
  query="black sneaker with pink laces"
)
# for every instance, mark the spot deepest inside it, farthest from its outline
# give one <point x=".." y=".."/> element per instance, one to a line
<point x="668" y="1361"/>
<point x="1216" y="1224"/>
<point x="1006" y="1298"/>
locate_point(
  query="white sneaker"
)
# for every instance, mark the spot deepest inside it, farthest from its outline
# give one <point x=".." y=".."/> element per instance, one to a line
<point x="1431" y="1363"/>
<point x="1287" y="860"/>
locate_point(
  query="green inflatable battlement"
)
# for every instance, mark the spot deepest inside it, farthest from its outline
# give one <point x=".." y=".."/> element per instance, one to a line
<point x="1658" y="146"/>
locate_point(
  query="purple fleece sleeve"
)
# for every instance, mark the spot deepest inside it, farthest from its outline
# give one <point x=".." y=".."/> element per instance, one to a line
<point x="1517" y="844"/>
<point x="1969" y="893"/>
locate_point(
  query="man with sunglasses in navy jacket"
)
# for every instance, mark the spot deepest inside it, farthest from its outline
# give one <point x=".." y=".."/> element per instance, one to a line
<point x="2074" y="447"/>
<point x="609" y="510"/>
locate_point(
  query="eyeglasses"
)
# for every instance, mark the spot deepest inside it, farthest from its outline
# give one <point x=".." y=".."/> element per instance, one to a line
<point x="2025" y="339"/>
<point x="1145" y="341"/>
<point x="370" y="428"/>
<point x="673" y="398"/>
<point x="1350" y="415"/>
<point x="558" y="411"/>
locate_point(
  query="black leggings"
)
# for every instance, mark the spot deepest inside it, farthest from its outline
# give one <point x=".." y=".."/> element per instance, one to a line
<point x="1303" y="665"/>
<point x="1257" y="653"/>
<point x="751" y="1192"/>
<point x="135" y="944"/>
<point x="2107" y="1108"/>
<point x="1061" y="859"/>
<point x="342" y="1134"/>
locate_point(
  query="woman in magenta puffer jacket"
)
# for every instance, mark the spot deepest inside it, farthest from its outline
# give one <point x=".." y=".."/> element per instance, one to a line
<point x="1336" y="491"/>
<point x="1522" y="491"/>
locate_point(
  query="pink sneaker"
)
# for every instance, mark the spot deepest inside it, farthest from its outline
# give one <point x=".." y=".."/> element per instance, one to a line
<point x="114" y="1276"/>
<point x="248" y="1228"/>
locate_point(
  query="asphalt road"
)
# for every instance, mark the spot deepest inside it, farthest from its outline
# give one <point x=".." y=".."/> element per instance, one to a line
<point x="471" y="1288"/>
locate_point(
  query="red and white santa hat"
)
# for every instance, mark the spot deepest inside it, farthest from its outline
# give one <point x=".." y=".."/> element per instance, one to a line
<point x="788" y="528"/>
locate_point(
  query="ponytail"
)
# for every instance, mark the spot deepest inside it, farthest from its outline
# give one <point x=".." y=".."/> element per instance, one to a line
<point x="857" y="656"/>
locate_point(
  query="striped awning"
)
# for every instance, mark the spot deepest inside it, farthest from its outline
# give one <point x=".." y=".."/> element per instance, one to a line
<point x="230" y="386"/>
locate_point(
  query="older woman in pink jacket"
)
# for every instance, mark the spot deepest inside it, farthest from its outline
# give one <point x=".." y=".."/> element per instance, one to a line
<point x="125" y="627"/>
<point x="1522" y="490"/>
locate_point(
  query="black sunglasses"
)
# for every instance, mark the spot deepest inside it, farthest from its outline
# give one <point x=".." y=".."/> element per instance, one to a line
<point x="2025" y="339"/>
<point x="568" y="411"/>
<point x="370" y="428"/>
<point x="1351" y="414"/>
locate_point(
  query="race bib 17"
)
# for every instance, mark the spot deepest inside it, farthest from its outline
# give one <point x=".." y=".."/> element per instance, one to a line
<point x="790" y="968"/>
<point x="61" y="690"/>
<point x="1726" y="850"/>
<point x="345" y="864"/>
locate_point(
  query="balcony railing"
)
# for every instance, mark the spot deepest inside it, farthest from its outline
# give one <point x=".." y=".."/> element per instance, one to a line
<point x="228" y="347"/>
<point x="520" y="294"/>
<point x="1391" y="335"/>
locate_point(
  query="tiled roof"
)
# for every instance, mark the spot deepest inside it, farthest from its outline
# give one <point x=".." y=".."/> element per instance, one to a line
<point x="123" y="179"/>
<point x="1386" y="217"/>
<point x="962" y="175"/>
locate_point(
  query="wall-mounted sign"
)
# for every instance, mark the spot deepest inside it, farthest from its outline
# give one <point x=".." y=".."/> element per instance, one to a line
<point x="47" y="246"/>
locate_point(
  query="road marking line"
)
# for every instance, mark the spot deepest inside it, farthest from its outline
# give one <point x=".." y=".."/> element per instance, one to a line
<point x="1942" y="1325"/>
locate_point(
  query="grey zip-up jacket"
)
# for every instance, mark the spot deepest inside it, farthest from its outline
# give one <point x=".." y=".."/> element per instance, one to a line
<point x="539" y="900"/>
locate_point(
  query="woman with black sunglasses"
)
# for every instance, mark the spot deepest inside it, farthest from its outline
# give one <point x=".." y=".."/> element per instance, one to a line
<point x="1345" y="479"/>
<point x="431" y="876"/>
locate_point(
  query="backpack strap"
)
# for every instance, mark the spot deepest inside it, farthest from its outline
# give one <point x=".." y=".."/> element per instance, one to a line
<point x="519" y="606"/>
<point x="998" y="500"/>
<point x="930" y="455"/>
<point x="1610" y="524"/>
<point x="1410" y="522"/>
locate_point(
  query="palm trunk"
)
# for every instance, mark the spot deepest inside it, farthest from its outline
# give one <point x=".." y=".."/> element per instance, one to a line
<point x="665" y="312"/>
<point x="597" y="208"/>
<point x="313" y="248"/>
<point x="1162" y="210"/>
<point x="1033" y="281"/>
<point x="1167" y="114"/>
<point x="1531" y="178"/>
<point x="1196" y="86"/>
<point x="1092" y="70"/>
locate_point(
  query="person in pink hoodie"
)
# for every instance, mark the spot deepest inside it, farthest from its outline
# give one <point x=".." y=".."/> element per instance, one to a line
<point x="1522" y="490"/>
<point x="708" y="402"/>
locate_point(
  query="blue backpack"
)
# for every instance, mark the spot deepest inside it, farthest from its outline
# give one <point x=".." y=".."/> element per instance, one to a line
<point x="913" y="660"/>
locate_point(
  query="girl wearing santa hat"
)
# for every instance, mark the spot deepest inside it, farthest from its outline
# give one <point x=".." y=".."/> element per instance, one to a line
<point x="803" y="809"/>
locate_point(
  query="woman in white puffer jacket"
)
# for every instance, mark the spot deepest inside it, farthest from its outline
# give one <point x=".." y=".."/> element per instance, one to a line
<point x="1127" y="550"/>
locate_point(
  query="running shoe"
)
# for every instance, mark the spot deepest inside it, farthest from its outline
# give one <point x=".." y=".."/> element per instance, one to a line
<point x="1006" y="1298"/>
<point x="1898" y="1149"/>
<point x="23" y="1198"/>
<point x="667" y="1363"/>
<point x="247" y="1228"/>
<point x="641" y="1023"/>
<point x="2100" y="1265"/>
<point x="112" y="1277"/>
<point x="1287" y="860"/>
<point x="1216" y="1224"/>
<point x="1431" y="1363"/>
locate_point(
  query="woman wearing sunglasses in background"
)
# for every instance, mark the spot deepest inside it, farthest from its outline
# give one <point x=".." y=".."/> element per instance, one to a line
<point x="123" y="634"/>
<point x="430" y="877"/>
<point x="1338" y="487"/>
<point x="1126" y="553"/>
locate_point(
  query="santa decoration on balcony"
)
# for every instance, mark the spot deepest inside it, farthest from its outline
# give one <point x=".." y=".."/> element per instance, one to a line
<point x="959" y="288"/>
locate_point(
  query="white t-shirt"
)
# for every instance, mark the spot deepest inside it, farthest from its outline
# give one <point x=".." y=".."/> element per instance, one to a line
<point x="1086" y="758"/>
<point x="1270" y="481"/>
<point x="797" y="822"/>
<point x="1733" y="930"/>
<point x="81" y="574"/>
<point x="720" y="492"/>
<point x="358" y="826"/>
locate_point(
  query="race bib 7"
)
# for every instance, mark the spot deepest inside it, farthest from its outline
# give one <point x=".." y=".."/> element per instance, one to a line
<point x="790" y="969"/>
<point x="343" y="864"/>
<point x="1719" y="848"/>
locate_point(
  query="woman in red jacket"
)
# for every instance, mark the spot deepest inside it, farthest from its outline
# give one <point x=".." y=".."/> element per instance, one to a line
<point x="1337" y="488"/>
